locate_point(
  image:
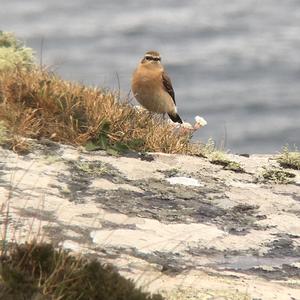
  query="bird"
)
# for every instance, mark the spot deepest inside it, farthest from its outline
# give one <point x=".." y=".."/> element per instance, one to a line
<point x="152" y="87"/>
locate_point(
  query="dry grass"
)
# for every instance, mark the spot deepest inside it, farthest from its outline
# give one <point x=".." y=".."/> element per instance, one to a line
<point x="2" y="133"/>
<point x="38" y="104"/>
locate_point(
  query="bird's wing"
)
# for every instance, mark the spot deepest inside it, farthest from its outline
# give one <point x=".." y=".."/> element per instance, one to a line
<point x="167" y="85"/>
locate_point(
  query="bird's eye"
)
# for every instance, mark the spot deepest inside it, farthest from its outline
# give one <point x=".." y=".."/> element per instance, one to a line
<point x="150" y="57"/>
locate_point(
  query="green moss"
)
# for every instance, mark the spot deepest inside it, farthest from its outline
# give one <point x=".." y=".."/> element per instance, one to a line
<point x="91" y="169"/>
<point x="218" y="157"/>
<point x="289" y="159"/>
<point x="170" y="172"/>
<point x="228" y="165"/>
<point x="276" y="175"/>
<point x="32" y="269"/>
<point x="102" y="142"/>
<point x="13" y="53"/>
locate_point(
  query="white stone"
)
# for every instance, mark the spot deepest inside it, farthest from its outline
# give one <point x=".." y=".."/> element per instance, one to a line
<point x="184" y="181"/>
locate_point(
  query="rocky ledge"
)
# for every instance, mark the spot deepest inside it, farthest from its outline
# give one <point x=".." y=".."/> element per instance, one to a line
<point x="176" y="224"/>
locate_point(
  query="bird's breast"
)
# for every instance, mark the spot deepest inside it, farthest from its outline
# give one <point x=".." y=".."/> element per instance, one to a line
<point x="147" y="89"/>
<point x="145" y="82"/>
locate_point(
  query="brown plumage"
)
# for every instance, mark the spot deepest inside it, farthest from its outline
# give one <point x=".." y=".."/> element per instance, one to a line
<point x="152" y="87"/>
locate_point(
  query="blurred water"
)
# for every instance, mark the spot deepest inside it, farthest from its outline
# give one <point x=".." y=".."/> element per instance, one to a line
<point x="236" y="63"/>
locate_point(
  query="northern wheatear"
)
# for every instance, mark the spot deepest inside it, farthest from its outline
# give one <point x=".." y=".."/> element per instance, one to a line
<point x="152" y="87"/>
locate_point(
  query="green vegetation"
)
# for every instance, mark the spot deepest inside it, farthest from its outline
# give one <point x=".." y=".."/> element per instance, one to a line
<point x="276" y="175"/>
<point x="171" y="172"/>
<point x="218" y="157"/>
<point x="209" y="149"/>
<point x="289" y="159"/>
<point x="91" y="169"/>
<point x="13" y="53"/>
<point x="228" y="165"/>
<point x="101" y="142"/>
<point x="38" y="271"/>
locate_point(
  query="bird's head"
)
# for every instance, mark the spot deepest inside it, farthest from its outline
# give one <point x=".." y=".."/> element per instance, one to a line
<point x="151" y="58"/>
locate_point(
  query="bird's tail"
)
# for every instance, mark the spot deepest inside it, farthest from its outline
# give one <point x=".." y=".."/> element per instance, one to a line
<point x="175" y="118"/>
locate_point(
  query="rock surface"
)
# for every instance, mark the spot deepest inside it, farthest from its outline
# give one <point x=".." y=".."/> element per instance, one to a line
<point x="175" y="224"/>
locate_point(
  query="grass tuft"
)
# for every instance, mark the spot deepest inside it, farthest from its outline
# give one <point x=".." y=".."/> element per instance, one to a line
<point x="276" y="175"/>
<point x="38" y="271"/>
<point x="218" y="157"/>
<point x="38" y="104"/>
<point x="289" y="159"/>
